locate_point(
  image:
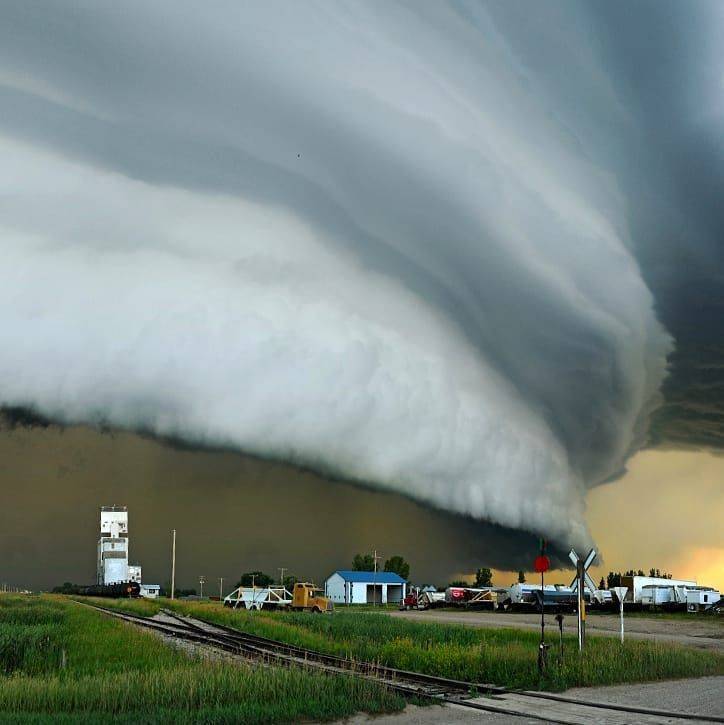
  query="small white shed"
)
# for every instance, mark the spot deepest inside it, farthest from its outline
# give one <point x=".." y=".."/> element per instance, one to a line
<point x="365" y="587"/>
<point x="150" y="591"/>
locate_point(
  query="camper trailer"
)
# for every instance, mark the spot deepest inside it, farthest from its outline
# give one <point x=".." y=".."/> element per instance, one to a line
<point x="701" y="598"/>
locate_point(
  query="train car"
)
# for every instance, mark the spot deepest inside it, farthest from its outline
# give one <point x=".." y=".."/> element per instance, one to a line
<point x="114" y="591"/>
<point x="560" y="600"/>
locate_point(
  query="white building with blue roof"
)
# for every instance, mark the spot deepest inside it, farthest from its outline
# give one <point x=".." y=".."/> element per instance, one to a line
<point x="365" y="587"/>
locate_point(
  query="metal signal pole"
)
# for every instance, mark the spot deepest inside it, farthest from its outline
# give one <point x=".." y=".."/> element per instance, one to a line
<point x="202" y="579"/>
<point x="581" y="606"/>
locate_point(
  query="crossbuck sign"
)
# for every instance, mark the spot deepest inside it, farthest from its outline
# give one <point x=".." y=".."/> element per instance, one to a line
<point x="579" y="583"/>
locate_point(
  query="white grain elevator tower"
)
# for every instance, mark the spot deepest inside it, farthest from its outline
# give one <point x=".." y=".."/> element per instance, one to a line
<point x="113" y="545"/>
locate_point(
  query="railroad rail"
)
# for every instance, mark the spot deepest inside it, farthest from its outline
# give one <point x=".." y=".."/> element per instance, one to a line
<point x="410" y="684"/>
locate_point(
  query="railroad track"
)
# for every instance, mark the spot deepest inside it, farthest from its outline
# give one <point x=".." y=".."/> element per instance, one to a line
<point x="546" y="707"/>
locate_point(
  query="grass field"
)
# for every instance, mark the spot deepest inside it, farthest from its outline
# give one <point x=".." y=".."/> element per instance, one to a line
<point x="59" y="659"/>
<point x="501" y="656"/>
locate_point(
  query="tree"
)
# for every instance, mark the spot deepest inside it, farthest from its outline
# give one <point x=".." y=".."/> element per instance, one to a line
<point x="459" y="583"/>
<point x="602" y="583"/>
<point x="398" y="565"/>
<point x="258" y="578"/>
<point x="289" y="581"/>
<point x="521" y="577"/>
<point x="484" y="578"/>
<point x="67" y="588"/>
<point x="363" y="562"/>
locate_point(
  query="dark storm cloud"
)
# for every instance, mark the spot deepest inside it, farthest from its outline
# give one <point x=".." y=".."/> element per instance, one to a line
<point x="393" y="241"/>
<point x="666" y="62"/>
<point x="252" y="515"/>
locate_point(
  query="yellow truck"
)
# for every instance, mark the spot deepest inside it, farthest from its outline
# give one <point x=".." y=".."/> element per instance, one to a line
<point x="310" y="598"/>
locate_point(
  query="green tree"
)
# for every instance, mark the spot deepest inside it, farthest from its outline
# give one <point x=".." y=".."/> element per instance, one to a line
<point x="521" y="577"/>
<point x="602" y="583"/>
<point x="363" y="562"/>
<point x="67" y="588"/>
<point x="459" y="583"/>
<point x="484" y="578"/>
<point x="398" y="565"/>
<point x="259" y="579"/>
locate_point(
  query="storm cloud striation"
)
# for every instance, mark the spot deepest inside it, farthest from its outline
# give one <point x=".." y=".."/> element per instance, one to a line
<point x="366" y="238"/>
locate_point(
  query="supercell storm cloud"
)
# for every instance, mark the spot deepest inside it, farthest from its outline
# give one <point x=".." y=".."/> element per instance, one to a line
<point x="375" y="239"/>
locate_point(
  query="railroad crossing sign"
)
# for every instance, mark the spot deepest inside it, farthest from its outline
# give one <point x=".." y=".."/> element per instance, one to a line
<point x="542" y="563"/>
<point x="586" y="564"/>
<point x="581" y="580"/>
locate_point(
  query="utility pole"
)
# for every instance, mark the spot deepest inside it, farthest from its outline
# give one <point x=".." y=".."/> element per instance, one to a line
<point x="173" y="566"/>
<point x="375" y="557"/>
<point x="202" y="579"/>
<point x="281" y="570"/>
<point x="221" y="588"/>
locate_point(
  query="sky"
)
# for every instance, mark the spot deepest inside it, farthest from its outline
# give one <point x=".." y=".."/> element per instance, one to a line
<point x="464" y="256"/>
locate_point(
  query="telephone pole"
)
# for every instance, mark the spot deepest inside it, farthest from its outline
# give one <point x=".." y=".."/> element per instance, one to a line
<point x="375" y="557"/>
<point x="202" y="579"/>
<point x="221" y="588"/>
<point x="173" y="566"/>
<point x="281" y="570"/>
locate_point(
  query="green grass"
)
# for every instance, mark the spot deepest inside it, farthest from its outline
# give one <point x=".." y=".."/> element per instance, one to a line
<point x="64" y="660"/>
<point x="485" y="655"/>
<point x="713" y="620"/>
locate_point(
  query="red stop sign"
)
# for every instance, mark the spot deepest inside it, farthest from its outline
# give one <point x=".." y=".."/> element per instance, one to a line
<point x="542" y="563"/>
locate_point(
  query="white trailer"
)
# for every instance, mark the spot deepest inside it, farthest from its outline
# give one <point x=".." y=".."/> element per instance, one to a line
<point x="656" y="595"/>
<point x="603" y="598"/>
<point x="429" y="599"/>
<point x="150" y="591"/>
<point x="471" y="596"/>
<point x="701" y="598"/>
<point x="259" y="598"/>
<point x="521" y="594"/>
<point x="636" y="584"/>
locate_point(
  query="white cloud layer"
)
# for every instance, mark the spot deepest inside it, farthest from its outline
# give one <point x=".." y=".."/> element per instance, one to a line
<point x="347" y="235"/>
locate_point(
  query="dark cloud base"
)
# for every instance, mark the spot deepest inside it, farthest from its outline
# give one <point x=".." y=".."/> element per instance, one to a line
<point x="233" y="513"/>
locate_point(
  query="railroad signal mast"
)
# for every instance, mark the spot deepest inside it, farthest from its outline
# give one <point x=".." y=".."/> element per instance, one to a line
<point x="541" y="564"/>
<point x="579" y="583"/>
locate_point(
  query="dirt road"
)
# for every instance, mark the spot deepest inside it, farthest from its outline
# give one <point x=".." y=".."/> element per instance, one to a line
<point x="698" y="631"/>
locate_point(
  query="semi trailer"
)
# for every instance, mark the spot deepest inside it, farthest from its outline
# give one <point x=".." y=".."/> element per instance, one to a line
<point x="305" y="596"/>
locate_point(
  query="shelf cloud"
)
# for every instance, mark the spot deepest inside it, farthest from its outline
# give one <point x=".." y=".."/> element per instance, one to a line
<point x="370" y="239"/>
